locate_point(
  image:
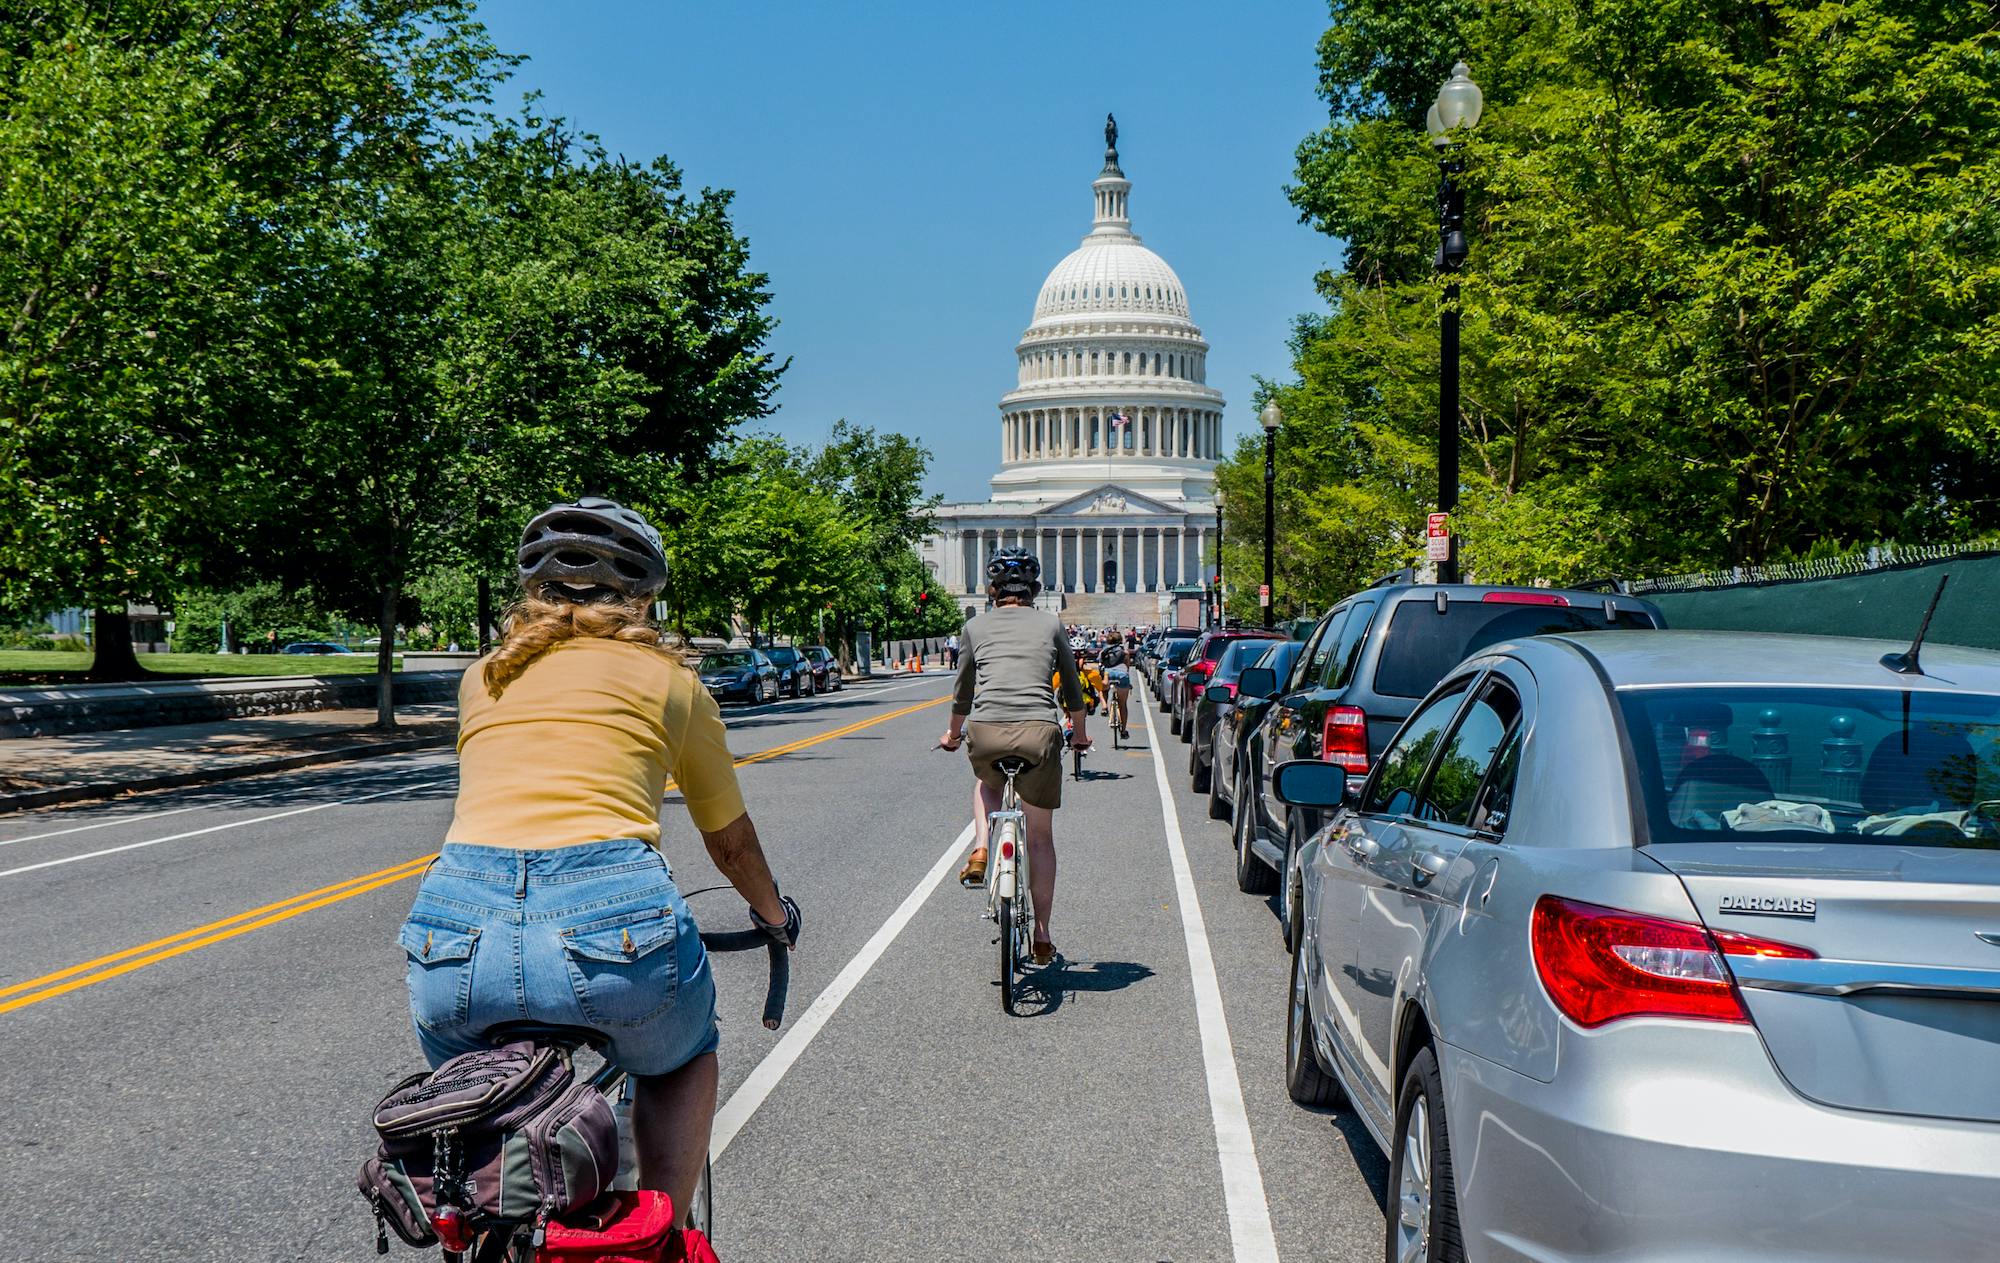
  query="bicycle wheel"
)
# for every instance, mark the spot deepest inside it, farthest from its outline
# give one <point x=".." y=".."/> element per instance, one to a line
<point x="701" y="1212"/>
<point x="1009" y="954"/>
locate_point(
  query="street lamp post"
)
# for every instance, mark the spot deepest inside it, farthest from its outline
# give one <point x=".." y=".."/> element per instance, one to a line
<point x="1272" y="417"/>
<point x="1215" y="605"/>
<point x="1458" y="105"/>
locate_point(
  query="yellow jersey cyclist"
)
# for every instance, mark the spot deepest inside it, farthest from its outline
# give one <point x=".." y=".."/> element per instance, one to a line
<point x="550" y="901"/>
<point x="1014" y="665"/>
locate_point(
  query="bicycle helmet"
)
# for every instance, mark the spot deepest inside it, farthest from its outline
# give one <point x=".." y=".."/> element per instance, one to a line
<point x="591" y="550"/>
<point x="1014" y="572"/>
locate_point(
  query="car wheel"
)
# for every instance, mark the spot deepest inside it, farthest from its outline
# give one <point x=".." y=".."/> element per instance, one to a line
<point x="1423" y="1195"/>
<point x="1186" y="728"/>
<point x="1219" y="808"/>
<point x="1174" y="720"/>
<point x="1253" y="876"/>
<point x="1305" y="1078"/>
<point x="1287" y="923"/>
<point x="1198" y="777"/>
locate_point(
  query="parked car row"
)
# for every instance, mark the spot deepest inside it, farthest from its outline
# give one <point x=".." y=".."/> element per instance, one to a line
<point x="763" y="675"/>
<point x="1634" y="945"/>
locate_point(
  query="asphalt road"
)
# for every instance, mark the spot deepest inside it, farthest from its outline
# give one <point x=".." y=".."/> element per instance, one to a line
<point x="201" y="1000"/>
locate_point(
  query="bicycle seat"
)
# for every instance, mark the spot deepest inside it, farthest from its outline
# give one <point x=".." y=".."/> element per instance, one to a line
<point x="571" y="1037"/>
<point x="1011" y="765"/>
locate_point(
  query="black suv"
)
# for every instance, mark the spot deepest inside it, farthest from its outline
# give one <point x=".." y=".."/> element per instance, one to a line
<point x="1364" y="668"/>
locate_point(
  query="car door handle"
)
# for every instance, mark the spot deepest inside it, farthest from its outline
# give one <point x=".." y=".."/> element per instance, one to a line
<point x="1425" y="865"/>
<point x="1363" y="847"/>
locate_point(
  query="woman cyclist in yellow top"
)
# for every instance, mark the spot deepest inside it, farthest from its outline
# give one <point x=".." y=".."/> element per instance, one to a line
<point x="550" y="901"/>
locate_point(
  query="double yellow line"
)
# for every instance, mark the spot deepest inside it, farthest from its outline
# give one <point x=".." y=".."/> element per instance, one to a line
<point x="91" y="972"/>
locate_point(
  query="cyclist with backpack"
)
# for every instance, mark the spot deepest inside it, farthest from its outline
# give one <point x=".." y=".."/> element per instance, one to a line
<point x="1115" y="661"/>
<point x="550" y="900"/>
<point x="1015" y="664"/>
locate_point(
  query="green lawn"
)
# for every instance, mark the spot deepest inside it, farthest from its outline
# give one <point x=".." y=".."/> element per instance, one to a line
<point x="39" y="661"/>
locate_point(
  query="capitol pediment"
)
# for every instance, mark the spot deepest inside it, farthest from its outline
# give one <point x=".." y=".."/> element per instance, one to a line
<point x="1109" y="499"/>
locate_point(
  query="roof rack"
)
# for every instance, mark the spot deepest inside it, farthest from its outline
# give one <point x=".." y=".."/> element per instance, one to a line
<point x="1408" y="574"/>
<point x="1610" y="584"/>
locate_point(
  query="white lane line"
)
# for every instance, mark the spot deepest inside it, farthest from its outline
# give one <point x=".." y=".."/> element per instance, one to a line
<point x="1242" y="1180"/>
<point x="746" y="1099"/>
<point x="217" y="828"/>
<point x="144" y="817"/>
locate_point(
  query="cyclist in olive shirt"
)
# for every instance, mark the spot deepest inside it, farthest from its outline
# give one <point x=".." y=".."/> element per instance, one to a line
<point x="1010" y="660"/>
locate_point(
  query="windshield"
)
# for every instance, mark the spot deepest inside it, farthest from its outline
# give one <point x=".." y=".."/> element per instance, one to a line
<point x="734" y="661"/>
<point x="1238" y="654"/>
<point x="1422" y="644"/>
<point x="783" y="657"/>
<point x="1818" y="764"/>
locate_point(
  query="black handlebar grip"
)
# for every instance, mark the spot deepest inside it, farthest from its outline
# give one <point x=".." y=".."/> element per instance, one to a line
<point x="781" y="984"/>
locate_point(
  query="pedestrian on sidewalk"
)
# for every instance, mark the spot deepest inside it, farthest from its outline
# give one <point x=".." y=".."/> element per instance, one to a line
<point x="951" y="651"/>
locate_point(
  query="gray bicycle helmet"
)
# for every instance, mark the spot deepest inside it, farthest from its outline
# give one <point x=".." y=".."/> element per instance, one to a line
<point x="591" y="550"/>
<point x="1014" y="572"/>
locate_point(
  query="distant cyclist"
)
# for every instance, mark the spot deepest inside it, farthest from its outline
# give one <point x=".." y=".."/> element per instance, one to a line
<point x="550" y="901"/>
<point x="1014" y="663"/>
<point x="1116" y="661"/>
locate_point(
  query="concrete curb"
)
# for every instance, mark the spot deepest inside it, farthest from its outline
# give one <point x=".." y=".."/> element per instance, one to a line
<point x="58" y="794"/>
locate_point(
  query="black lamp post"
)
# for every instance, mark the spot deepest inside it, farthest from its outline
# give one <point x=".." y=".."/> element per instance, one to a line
<point x="1215" y="603"/>
<point x="1458" y="105"/>
<point x="1272" y="417"/>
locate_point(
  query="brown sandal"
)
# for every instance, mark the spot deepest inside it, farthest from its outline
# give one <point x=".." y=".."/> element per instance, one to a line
<point x="973" y="875"/>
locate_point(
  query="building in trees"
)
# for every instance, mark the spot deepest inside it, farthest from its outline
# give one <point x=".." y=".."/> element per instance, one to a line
<point x="1108" y="441"/>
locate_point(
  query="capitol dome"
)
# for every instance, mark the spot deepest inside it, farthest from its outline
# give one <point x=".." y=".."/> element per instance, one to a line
<point x="1112" y="274"/>
<point x="1108" y="440"/>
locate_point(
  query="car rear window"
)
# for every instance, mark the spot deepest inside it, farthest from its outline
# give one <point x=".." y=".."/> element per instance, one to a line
<point x="1422" y="644"/>
<point x="1176" y="652"/>
<point x="1238" y="654"/>
<point x="1856" y="765"/>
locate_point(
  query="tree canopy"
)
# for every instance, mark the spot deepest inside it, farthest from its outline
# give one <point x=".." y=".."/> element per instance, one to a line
<point x="1733" y="291"/>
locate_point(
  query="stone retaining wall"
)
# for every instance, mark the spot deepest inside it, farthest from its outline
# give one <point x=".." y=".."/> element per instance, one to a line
<point x="52" y="710"/>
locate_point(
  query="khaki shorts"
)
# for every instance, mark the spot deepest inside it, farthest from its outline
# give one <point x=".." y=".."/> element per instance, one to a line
<point x="1040" y="742"/>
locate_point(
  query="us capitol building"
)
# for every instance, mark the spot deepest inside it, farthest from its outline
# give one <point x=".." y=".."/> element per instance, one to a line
<point x="1108" y="441"/>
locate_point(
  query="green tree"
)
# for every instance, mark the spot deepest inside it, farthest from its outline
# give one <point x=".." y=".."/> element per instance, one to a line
<point x="1732" y="291"/>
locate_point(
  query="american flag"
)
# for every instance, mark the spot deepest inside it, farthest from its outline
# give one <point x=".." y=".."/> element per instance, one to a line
<point x="1119" y="420"/>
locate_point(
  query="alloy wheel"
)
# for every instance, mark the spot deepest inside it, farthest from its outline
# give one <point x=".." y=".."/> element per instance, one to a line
<point x="1413" y="1194"/>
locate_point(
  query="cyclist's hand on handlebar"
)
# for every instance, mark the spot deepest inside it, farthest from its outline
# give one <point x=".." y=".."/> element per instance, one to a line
<point x="786" y="931"/>
<point x="1079" y="742"/>
<point x="950" y="740"/>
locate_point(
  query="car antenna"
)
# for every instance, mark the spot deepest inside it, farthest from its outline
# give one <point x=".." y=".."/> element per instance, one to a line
<point x="1905" y="663"/>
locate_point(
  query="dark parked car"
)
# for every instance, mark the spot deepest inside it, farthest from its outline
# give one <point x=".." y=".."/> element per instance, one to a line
<point x="826" y="669"/>
<point x="743" y="675"/>
<point x="314" y="646"/>
<point x="1200" y="665"/>
<point x="795" y="672"/>
<point x="1211" y="720"/>
<point x="1231" y="750"/>
<point x="1363" y="670"/>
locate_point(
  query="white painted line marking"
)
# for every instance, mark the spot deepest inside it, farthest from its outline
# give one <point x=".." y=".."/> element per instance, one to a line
<point x="217" y="828"/>
<point x="142" y="817"/>
<point x="744" y="1102"/>
<point x="1242" y="1180"/>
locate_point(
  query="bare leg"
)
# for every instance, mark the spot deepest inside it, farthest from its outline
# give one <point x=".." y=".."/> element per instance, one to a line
<point x="671" y="1114"/>
<point x="985" y="801"/>
<point x="1041" y="865"/>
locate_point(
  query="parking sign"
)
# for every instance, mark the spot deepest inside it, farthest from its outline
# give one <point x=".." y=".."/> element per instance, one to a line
<point x="1437" y="537"/>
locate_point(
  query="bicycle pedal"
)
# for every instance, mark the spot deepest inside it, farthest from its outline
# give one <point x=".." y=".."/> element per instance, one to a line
<point x="989" y="915"/>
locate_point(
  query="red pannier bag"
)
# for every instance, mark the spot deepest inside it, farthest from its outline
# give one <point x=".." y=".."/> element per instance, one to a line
<point x="621" y="1227"/>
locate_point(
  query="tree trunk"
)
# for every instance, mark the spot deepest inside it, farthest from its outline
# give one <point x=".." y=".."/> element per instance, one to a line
<point x="385" y="659"/>
<point x="485" y="615"/>
<point x="114" y="660"/>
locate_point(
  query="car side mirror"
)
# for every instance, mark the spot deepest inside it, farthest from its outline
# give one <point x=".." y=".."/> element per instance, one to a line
<point x="1257" y="682"/>
<point x="1310" y="783"/>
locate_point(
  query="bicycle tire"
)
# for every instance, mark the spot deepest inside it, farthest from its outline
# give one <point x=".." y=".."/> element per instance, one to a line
<point x="1008" y="959"/>
<point x="701" y="1210"/>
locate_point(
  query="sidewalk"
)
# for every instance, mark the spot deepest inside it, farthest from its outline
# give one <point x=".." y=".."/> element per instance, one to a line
<point x="39" y="771"/>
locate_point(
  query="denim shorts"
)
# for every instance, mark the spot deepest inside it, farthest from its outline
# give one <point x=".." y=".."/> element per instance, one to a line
<point x="1120" y="678"/>
<point x="594" y="935"/>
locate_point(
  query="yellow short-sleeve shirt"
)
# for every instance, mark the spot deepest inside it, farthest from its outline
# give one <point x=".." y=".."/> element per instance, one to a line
<point x="580" y="746"/>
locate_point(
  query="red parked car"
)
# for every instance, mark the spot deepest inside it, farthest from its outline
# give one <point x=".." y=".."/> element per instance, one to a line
<point x="1200" y="665"/>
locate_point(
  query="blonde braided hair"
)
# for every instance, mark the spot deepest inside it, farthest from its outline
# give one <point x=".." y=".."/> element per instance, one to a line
<point x="535" y="624"/>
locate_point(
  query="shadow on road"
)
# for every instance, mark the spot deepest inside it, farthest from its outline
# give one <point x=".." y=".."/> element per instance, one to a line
<point x="1041" y="992"/>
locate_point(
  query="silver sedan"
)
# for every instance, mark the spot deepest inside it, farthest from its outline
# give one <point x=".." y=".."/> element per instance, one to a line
<point x="1668" y="946"/>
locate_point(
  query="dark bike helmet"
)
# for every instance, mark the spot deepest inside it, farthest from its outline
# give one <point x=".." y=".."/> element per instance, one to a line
<point x="1014" y="572"/>
<point x="591" y="550"/>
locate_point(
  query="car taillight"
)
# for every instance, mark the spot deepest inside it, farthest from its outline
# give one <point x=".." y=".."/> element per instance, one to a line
<point x="1344" y="740"/>
<point x="1601" y="964"/>
<point x="1523" y="598"/>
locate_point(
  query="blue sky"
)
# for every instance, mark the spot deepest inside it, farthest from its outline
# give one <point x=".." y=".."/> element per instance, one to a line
<point x="908" y="173"/>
